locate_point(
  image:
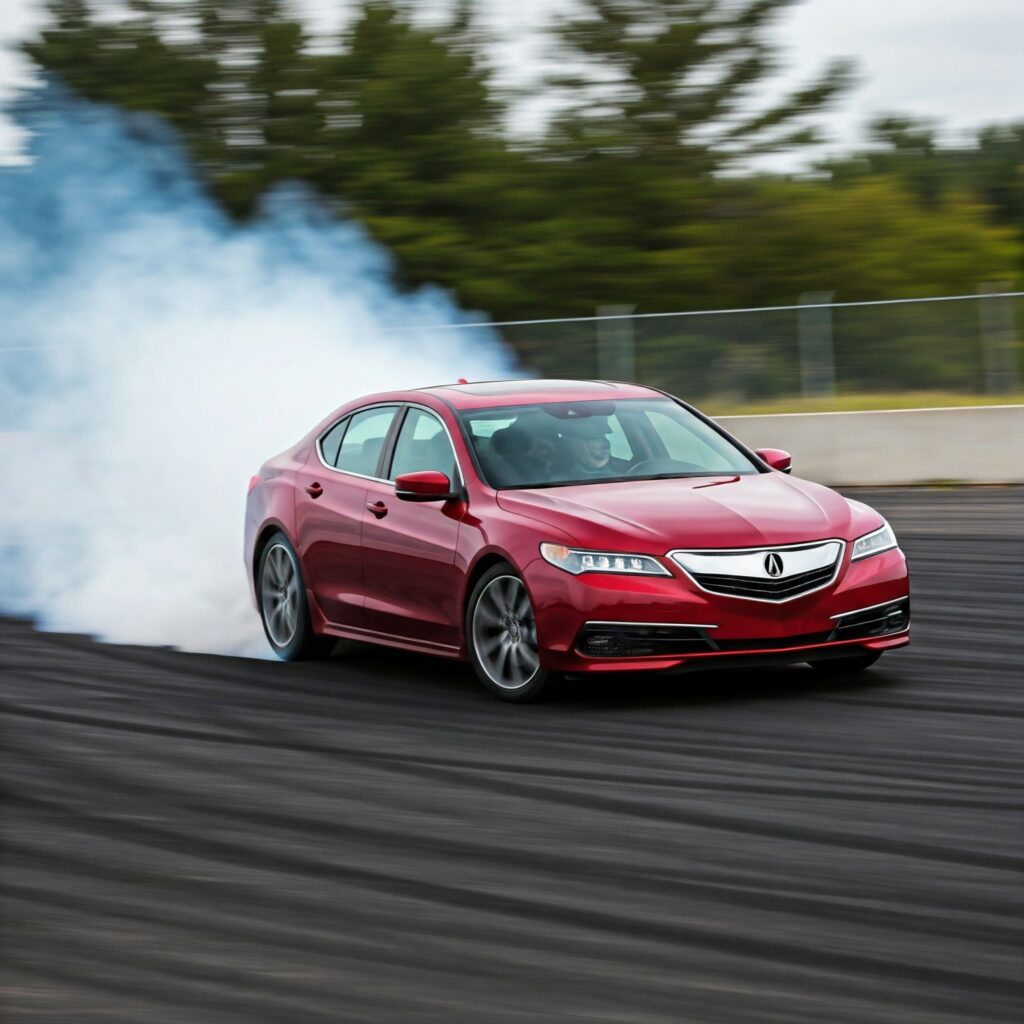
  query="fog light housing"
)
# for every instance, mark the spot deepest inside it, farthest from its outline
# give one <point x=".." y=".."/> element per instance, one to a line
<point x="602" y="645"/>
<point x="895" y="618"/>
<point x="892" y="617"/>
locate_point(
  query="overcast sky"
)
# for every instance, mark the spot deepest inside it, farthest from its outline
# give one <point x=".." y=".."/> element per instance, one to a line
<point x="961" y="61"/>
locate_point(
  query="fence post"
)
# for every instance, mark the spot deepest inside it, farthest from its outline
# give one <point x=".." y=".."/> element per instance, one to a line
<point x="817" y="363"/>
<point x="616" y="359"/>
<point x="995" y="324"/>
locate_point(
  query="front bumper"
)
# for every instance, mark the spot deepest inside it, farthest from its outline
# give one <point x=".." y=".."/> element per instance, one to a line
<point x="712" y="630"/>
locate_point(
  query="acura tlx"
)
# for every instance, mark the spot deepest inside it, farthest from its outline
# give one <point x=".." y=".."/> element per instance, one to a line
<point x="538" y="528"/>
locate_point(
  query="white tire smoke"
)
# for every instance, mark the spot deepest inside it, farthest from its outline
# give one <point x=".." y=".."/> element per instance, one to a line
<point x="153" y="355"/>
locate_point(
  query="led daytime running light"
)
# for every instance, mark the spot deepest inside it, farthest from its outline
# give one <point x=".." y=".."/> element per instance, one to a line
<point x="578" y="561"/>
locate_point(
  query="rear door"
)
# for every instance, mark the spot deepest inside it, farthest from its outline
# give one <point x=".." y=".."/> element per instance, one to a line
<point x="409" y="575"/>
<point x="329" y="507"/>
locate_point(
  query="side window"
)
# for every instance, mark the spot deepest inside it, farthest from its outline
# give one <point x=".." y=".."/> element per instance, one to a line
<point x="422" y="444"/>
<point x="330" y="443"/>
<point x="364" y="440"/>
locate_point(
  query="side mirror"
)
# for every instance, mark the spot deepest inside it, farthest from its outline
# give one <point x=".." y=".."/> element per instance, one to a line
<point x="776" y="458"/>
<point x="430" y="485"/>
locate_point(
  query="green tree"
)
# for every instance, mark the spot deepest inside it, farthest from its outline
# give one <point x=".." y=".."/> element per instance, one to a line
<point x="641" y="192"/>
<point x="990" y="165"/>
<point x="225" y="73"/>
<point x="678" y="81"/>
<point x="997" y="172"/>
<point x="126" y="62"/>
<point x="413" y="143"/>
<point x="665" y="96"/>
<point x="399" y="127"/>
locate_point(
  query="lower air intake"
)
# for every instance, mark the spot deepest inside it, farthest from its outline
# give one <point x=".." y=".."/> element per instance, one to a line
<point x="628" y="640"/>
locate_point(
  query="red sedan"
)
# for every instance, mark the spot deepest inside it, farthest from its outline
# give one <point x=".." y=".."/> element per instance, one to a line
<point x="538" y="528"/>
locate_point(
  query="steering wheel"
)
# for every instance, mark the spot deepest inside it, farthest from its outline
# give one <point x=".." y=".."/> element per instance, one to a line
<point x="662" y="466"/>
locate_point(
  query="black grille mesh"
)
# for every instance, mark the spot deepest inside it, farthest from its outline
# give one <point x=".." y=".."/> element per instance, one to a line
<point x="765" y="590"/>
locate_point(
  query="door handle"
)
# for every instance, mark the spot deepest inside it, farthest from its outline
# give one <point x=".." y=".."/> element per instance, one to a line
<point x="378" y="508"/>
<point x="314" y="490"/>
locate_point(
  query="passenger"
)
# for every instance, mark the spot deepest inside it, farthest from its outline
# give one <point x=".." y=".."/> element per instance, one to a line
<point x="539" y="459"/>
<point x="529" y="455"/>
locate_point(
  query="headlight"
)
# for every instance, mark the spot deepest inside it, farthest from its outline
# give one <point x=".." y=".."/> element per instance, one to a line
<point x="874" y="543"/>
<point x="577" y="561"/>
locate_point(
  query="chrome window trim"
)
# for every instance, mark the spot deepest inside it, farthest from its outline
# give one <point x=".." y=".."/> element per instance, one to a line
<point x="320" y="439"/>
<point x="871" y="607"/>
<point x="681" y="625"/>
<point x="763" y="549"/>
<point x="398" y="407"/>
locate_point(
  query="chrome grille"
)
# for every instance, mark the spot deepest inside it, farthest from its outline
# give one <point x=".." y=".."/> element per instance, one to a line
<point x="763" y="574"/>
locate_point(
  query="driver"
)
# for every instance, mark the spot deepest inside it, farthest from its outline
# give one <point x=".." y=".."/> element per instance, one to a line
<point x="587" y="445"/>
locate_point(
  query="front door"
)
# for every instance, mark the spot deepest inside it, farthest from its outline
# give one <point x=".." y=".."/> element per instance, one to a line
<point x="409" y="576"/>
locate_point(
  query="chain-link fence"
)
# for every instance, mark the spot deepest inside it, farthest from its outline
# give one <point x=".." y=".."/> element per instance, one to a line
<point x="965" y="345"/>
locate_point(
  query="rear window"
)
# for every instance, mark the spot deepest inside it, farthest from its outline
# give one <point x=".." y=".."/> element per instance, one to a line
<point x="330" y="443"/>
<point x="363" y="442"/>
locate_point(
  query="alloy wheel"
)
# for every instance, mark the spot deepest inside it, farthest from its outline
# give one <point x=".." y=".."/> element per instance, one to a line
<point x="279" y="593"/>
<point x="505" y="633"/>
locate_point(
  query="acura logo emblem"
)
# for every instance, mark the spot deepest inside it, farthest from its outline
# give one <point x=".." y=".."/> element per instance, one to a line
<point x="773" y="564"/>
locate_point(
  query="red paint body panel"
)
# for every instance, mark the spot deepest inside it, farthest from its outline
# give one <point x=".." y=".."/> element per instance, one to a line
<point x="403" y="578"/>
<point x="327" y="534"/>
<point x="711" y="512"/>
<point x="410" y="582"/>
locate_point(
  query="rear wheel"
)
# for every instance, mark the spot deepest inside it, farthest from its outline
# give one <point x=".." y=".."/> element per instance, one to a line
<point x="283" y="605"/>
<point x="839" y="666"/>
<point x="501" y="634"/>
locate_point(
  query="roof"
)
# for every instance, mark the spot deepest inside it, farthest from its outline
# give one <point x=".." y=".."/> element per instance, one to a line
<point x="487" y="394"/>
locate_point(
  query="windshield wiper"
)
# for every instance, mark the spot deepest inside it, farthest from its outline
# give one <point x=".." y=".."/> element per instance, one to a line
<point x="674" y="476"/>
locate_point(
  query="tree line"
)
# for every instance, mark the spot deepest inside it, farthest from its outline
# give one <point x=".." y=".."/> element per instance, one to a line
<point x="641" y="188"/>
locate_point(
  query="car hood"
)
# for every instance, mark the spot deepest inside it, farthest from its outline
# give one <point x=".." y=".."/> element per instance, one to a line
<point x="655" y="516"/>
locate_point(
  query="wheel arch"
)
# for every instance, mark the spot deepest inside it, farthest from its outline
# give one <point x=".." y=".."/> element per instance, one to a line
<point x="267" y="531"/>
<point x="484" y="563"/>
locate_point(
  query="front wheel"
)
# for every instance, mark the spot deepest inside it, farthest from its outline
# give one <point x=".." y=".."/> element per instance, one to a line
<point x="501" y="634"/>
<point x="840" y="666"/>
<point x="283" y="605"/>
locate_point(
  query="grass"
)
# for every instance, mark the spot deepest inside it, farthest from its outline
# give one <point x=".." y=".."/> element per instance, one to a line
<point x="858" y="403"/>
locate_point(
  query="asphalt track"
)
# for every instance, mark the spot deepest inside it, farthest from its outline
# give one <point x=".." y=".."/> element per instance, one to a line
<point x="191" y="838"/>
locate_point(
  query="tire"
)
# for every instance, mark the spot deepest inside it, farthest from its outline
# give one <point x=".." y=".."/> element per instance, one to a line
<point x="284" y="609"/>
<point x="501" y="637"/>
<point x="840" y="666"/>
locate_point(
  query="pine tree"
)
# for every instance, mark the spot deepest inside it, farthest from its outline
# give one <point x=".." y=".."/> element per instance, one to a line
<point x="677" y="82"/>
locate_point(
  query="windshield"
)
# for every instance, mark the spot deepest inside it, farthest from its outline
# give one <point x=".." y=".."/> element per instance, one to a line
<point x="558" y="443"/>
